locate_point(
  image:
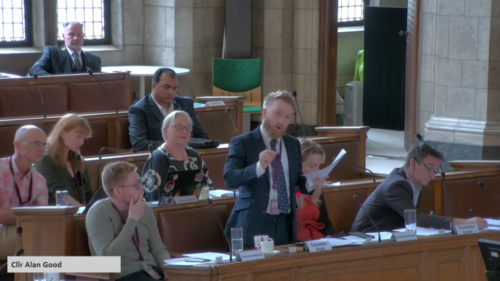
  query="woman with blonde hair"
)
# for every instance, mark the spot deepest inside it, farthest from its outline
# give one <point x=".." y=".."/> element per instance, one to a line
<point x="60" y="166"/>
<point x="313" y="221"/>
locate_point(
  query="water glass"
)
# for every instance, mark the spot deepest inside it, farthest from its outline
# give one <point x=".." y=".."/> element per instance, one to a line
<point x="62" y="198"/>
<point x="236" y="240"/>
<point x="411" y="220"/>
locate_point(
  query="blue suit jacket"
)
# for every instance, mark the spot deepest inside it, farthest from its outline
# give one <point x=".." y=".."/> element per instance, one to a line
<point x="145" y="120"/>
<point x="249" y="211"/>
<point x="56" y="60"/>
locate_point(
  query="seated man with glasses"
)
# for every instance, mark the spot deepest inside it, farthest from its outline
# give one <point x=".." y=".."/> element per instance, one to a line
<point x="124" y="225"/>
<point x="20" y="184"/>
<point x="401" y="191"/>
<point x="173" y="155"/>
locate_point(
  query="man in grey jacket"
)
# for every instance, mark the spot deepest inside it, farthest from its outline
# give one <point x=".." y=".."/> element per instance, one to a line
<point x="401" y="191"/>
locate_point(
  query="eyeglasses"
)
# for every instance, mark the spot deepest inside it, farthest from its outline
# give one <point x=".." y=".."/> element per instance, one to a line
<point x="437" y="171"/>
<point x="181" y="128"/>
<point x="137" y="186"/>
<point x="36" y="143"/>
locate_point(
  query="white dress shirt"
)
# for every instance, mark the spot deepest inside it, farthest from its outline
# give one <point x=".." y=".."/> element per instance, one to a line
<point x="416" y="192"/>
<point x="162" y="109"/>
<point x="273" y="194"/>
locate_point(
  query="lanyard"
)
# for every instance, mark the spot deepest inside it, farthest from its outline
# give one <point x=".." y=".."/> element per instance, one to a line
<point x="136" y="243"/>
<point x="17" y="188"/>
<point x="278" y="166"/>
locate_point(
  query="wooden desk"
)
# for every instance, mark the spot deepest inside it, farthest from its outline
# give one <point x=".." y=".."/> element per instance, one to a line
<point x="469" y="165"/>
<point x="78" y="93"/>
<point x="444" y="258"/>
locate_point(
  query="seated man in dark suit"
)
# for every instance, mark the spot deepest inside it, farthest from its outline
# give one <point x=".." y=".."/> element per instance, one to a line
<point x="266" y="166"/>
<point x="146" y="116"/>
<point x="401" y="191"/>
<point x="69" y="58"/>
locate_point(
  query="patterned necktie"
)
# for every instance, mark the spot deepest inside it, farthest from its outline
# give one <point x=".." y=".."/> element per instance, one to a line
<point x="78" y="64"/>
<point x="283" y="203"/>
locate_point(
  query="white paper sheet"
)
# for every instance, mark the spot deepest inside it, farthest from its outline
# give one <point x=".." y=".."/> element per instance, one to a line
<point x="493" y="222"/>
<point x="354" y="239"/>
<point x="183" y="262"/>
<point x="336" y="242"/>
<point x="495" y="228"/>
<point x="219" y="193"/>
<point x="422" y="231"/>
<point x="323" y="173"/>
<point x="208" y="255"/>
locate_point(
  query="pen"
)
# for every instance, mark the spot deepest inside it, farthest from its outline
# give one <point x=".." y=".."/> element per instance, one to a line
<point x="473" y="212"/>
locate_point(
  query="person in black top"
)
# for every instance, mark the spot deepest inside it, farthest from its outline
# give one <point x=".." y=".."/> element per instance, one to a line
<point x="172" y="155"/>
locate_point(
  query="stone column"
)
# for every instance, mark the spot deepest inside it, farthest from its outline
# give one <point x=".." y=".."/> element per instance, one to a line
<point x="459" y="89"/>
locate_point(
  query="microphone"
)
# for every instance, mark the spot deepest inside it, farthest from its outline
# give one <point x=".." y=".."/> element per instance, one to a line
<point x="443" y="176"/>
<point x="79" y="180"/>
<point x="300" y="115"/>
<point x="18" y="253"/>
<point x="420" y="137"/>
<point x="41" y="97"/>
<point x="115" y="149"/>
<point x="19" y="231"/>
<point x="232" y="120"/>
<point x="356" y="198"/>
<point x="98" y="82"/>
<point x="472" y="212"/>
<point x="366" y="169"/>
<point x="304" y="245"/>
<point x="483" y="186"/>
<point x="211" y="204"/>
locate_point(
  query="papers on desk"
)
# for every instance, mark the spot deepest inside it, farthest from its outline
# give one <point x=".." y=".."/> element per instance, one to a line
<point x="338" y="242"/>
<point x="422" y="231"/>
<point x="384" y="235"/>
<point x="186" y="262"/>
<point x="221" y="193"/>
<point x="493" y="222"/>
<point x="208" y="255"/>
<point x="323" y="173"/>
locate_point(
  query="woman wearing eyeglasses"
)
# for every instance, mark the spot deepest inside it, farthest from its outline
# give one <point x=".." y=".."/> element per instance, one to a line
<point x="173" y="155"/>
<point x="60" y="166"/>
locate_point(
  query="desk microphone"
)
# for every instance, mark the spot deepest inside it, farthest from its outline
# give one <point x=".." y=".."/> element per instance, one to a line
<point x="366" y="169"/>
<point x="41" y="97"/>
<point x="79" y="180"/>
<point x="232" y="120"/>
<point x="19" y="231"/>
<point x="300" y="115"/>
<point x="19" y="252"/>
<point x="211" y="204"/>
<point x="115" y="149"/>
<point x="356" y="198"/>
<point x="446" y="195"/>
<point x="304" y="245"/>
<point x="483" y="186"/>
<point x="98" y="82"/>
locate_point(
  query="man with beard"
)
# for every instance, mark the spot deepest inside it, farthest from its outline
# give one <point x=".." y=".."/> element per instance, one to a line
<point x="266" y="166"/>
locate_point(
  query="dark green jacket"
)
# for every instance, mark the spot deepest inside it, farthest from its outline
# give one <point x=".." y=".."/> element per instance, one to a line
<point x="58" y="178"/>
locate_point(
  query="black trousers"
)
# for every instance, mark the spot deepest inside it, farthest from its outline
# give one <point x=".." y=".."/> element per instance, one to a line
<point x="279" y="228"/>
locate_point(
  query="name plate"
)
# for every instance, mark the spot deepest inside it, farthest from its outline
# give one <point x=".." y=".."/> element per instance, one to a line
<point x="466" y="229"/>
<point x="185" y="199"/>
<point x="404" y="236"/>
<point x="318" y="246"/>
<point x="215" y="103"/>
<point x="251" y="255"/>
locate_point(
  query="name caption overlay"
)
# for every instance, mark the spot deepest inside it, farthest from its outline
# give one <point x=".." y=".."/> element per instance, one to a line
<point x="64" y="264"/>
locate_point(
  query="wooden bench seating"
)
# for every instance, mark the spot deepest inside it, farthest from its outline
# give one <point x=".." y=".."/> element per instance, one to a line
<point x="79" y="93"/>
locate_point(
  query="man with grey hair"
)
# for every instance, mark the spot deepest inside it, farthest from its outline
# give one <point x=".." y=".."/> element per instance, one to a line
<point x="266" y="166"/>
<point x="20" y="185"/>
<point x="69" y="58"/>
<point x="400" y="191"/>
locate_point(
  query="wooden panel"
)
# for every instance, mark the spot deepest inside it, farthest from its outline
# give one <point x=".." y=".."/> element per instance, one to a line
<point x="25" y="100"/>
<point x="411" y="74"/>
<point x="85" y="96"/>
<point x="447" y="265"/>
<point x="217" y="124"/>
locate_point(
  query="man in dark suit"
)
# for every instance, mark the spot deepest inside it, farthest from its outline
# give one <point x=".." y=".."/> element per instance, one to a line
<point x="69" y="58"/>
<point x="401" y="191"/>
<point x="266" y="166"/>
<point x="146" y="116"/>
